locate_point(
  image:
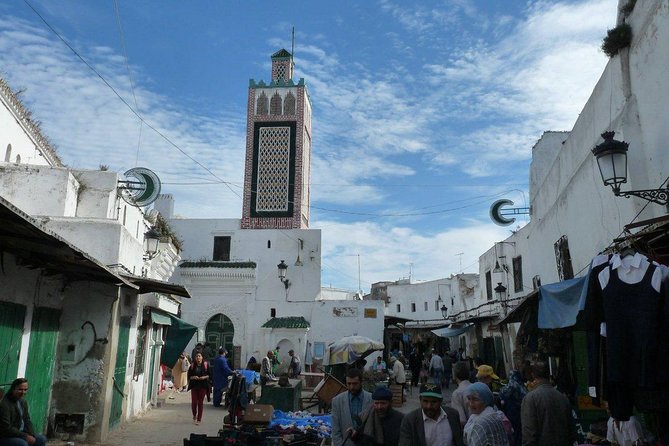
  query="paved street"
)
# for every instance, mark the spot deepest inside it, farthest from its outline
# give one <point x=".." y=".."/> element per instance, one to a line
<point x="169" y="424"/>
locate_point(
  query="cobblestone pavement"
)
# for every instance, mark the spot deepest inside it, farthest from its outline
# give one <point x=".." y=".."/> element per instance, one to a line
<point x="169" y="424"/>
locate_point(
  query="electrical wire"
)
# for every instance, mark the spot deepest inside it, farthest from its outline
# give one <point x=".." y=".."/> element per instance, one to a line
<point x="158" y="132"/>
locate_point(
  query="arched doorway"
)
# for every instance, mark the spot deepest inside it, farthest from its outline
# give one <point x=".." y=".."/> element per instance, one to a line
<point x="219" y="332"/>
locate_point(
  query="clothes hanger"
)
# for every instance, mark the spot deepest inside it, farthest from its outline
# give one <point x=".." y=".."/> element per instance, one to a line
<point x="627" y="251"/>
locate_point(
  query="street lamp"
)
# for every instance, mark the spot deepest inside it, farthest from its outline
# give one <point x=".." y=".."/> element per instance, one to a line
<point x="611" y="158"/>
<point x="282" y="273"/>
<point x="444" y="311"/>
<point x="151" y="240"/>
<point x="500" y="291"/>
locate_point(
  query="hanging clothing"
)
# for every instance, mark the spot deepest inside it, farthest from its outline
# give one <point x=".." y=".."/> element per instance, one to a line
<point x="629" y="309"/>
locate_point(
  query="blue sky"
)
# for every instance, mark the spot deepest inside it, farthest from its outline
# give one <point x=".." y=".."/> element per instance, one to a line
<point x="424" y="112"/>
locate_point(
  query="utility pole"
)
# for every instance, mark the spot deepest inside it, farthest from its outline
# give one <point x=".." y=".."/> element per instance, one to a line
<point x="460" y="254"/>
<point x="359" y="286"/>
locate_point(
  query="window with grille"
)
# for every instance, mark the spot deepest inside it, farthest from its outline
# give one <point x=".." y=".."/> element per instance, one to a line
<point x="275" y="104"/>
<point x="261" y="106"/>
<point x="140" y="350"/>
<point x="563" y="259"/>
<point x="289" y="104"/>
<point x="273" y="169"/>
<point x="221" y="249"/>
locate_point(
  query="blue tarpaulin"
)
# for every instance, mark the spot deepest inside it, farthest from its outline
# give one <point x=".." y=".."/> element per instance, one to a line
<point x="559" y="303"/>
<point x="450" y="332"/>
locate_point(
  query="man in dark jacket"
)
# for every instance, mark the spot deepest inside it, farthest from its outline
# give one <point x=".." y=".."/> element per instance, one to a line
<point x="16" y="429"/>
<point x="433" y="424"/>
<point x="546" y="413"/>
<point x="380" y="423"/>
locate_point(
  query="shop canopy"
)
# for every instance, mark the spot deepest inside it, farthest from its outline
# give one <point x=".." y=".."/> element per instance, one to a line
<point x="179" y="335"/>
<point x="450" y="332"/>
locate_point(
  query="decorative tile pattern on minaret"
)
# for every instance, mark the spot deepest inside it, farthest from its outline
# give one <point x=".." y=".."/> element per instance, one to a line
<point x="278" y="150"/>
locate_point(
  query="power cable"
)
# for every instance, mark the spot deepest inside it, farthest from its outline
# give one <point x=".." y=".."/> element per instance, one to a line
<point x="158" y="132"/>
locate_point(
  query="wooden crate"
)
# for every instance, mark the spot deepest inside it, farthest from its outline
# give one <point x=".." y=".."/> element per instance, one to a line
<point x="329" y="388"/>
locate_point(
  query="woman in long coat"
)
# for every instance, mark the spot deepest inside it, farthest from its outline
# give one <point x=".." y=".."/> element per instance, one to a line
<point x="180" y="372"/>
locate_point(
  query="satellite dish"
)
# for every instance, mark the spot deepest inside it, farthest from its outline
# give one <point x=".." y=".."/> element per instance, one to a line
<point x="496" y="212"/>
<point x="144" y="190"/>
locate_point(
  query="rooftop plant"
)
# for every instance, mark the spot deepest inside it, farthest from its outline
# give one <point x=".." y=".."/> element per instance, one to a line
<point x="617" y="39"/>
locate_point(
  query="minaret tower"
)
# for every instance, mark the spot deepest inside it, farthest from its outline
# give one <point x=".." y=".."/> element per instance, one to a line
<point x="278" y="150"/>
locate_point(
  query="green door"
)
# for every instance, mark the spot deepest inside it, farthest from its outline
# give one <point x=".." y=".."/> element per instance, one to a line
<point x="220" y="332"/>
<point x="42" y="355"/>
<point x="11" y="329"/>
<point x="118" y="390"/>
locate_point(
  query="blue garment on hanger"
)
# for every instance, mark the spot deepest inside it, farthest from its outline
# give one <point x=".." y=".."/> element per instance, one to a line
<point x="559" y="303"/>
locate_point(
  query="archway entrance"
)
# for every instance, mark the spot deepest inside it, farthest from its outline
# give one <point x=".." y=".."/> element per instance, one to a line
<point x="220" y="332"/>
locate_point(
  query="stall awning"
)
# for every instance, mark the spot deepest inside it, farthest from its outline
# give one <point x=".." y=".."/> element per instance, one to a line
<point x="160" y="319"/>
<point x="394" y="320"/>
<point x="475" y="319"/>
<point x="449" y="332"/>
<point x="178" y="336"/>
<point x="516" y="315"/>
<point x="426" y="325"/>
<point x="38" y="247"/>
<point x="156" y="286"/>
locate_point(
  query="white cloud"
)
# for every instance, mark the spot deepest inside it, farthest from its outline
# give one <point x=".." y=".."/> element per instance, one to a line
<point x="386" y="251"/>
<point x="91" y="126"/>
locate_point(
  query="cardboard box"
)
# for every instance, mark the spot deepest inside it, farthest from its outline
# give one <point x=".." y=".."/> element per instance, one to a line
<point x="260" y="414"/>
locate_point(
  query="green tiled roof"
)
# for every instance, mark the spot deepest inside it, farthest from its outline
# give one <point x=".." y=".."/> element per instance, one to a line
<point x="287" y="322"/>
<point x="281" y="53"/>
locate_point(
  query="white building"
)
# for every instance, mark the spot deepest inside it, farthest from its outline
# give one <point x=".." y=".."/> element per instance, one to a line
<point x="106" y="337"/>
<point x="573" y="215"/>
<point x="231" y="265"/>
<point x="20" y="138"/>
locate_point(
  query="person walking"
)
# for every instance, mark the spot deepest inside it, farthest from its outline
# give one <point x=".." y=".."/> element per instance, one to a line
<point x="221" y="372"/>
<point x="180" y="372"/>
<point x="545" y="413"/>
<point x="485" y="426"/>
<point x="276" y="361"/>
<point x="197" y="349"/>
<point x="447" y="360"/>
<point x="433" y="424"/>
<point x="198" y="384"/>
<point x="380" y="423"/>
<point x="294" y="367"/>
<point x="414" y="366"/>
<point x="459" y="398"/>
<point x="16" y="428"/>
<point x="399" y="374"/>
<point x="436" y="368"/>
<point x="347" y="408"/>
<point x="266" y="374"/>
<point x="511" y="396"/>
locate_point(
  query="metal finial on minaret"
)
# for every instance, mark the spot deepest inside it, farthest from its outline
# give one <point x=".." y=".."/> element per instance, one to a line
<point x="292" y="47"/>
